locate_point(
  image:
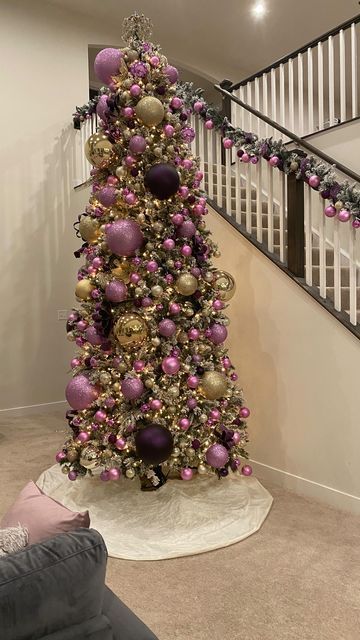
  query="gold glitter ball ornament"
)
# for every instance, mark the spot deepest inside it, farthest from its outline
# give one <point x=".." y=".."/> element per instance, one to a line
<point x="150" y="111"/>
<point x="186" y="284"/>
<point x="89" y="229"/>
<point x="213" y="385"/>
<point x="122" y="272"/>
<point x="130" y="330"/>
<point x="99" y="150"/>
<point x="224" y="284"/>
<point x="83" y="289"/>
<point x="72" y="455"/>
<point x="90" y="456"/>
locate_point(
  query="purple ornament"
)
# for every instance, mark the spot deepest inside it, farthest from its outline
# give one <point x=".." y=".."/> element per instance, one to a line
<point x="83" y="436"/>
<point x="107" y="64"/>
<point x="169" y="130"/>
<point x="343" y="215"/>
<point x="168" y="244"/>
<point x="217" y="456"/>
<point x="330" y="211"/>
<point x="137" y="144"/>
<point x="135" y="90"/>
<point x="246" y="470"/>
<point x="187" y="229"/>
<point x="244" y="412"/>
<point x="191" y="403"/>
<point x="166" y="328"/>
<point x="245" y="157"/>
<point x="218" y="333"/>
<point x="107" y="196"/>
<point x="186" y="473"/>
<point x="104" y="476"/>
<point x="209" y="124"/>
<point x="192" y="383"/>
<point x="176" y="102"/>
<point x="274" y="161"/>
<point x="314" y="181"/>
<point x="120" y="443"/>
<point x="228" y="143"/>
<point x="356" y="223"/>
<point x="155" y="404"/>
<point x="132" y="388"/>
<point x="72" y="475"/>
<point x="80" y="393"/>
<point x="170" y="365"/>
<point x="60" y="456"/>
<point x="171" y="73"/>
<point x="162" y="180"/>
<point x="139" y="365"/>
<point x="154" y="444"/>
<point x="100" y="415"/>
<point x="102" y="108"/>
<point x="184" y="424"/>
<point x="236" y="437"/>
<point x="93" y="336"/>
<point x="114" y="474"/>
<point x="116" y="291"/>
<point x="193" y="333"/>
<point x="174" y="308"/>
<point x="124" y="237"/>
<point x="188" y="134"/>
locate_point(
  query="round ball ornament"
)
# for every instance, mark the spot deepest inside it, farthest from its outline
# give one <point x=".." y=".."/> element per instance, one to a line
<point x="186" y="284"/>
<point x="80" y="393"/>
<point x="90" y="456"/>
<point x="107" y="63"/>
<point x="99" y="150"/>
<point x="124" y="237"/>
<point x="224" y="284"/>
<point x="218" y="333"/>
<point x="171" y="73"/>
<point x="137" y="144"/>
<point x="154" y="444"/>
<point x="130" y="330"/>
<point x="83" y="289"/>
<point x="162" y="180"/>
<point x="150" y="111"/>
<point x="88" y="229"/>
<point x="122" y="272"/>
<point x="132" y="388"/>
<point x="166" y="328"/>
<point x="217" y="456"/>
<point x="116" y="291"/>
<point x="213" y="385"/>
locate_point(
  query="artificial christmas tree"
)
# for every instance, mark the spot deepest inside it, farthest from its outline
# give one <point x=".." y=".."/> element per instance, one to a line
<point x="153" y="390"/>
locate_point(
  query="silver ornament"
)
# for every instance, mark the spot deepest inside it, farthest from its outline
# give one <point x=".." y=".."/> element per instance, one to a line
<point x="156" y="342"/>
<point x="176" y="452"/>
<point x="130" y="473"/>
<point x="202" y="469"/>
<point x="157" y="291"/>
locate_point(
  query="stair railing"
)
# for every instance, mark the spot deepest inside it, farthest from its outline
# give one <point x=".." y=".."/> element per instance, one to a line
<point x="310" y="89"/>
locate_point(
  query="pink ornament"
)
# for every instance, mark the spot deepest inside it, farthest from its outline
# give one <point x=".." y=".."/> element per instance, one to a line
<point x="343" y="215"/>
<point x="131" y="199"/>
<point x="191" y="403"/>
<point x="198" y="106"/>
<point x="102" y="108"/>
<point x="139" y="365"/>
<point x="107" y="196"/>
<point x="174" y="308"/>
<point x="246" y="470"/>
<point x="227" y="143"/>
<point x="128" y="112"/>
<point x="215" y="414"/>
<point x="236" y="437"/>
<point x="218" y="333"/>
<point x="152" y="266"/>
<point x="184" y="191"/>
<point x="245" y="157"/>
<point x="330" y="211"/>
<point x="244" y="412"/>
<point x="72" y="475"/>
<point x="81" y="325"/>
<point x="60" y="456"/>
<point x="176" y="102"/>
<point x="169" y="130"/>
<point x="166" y="328"/>
<point x="194" y="334"/>
<point x="186" y="473"/>
<point x="356" y="223"/>
<point x="120" y="443"/>
<point x="314" y="181"/>
<point x="110" y="402"/>
<point x="171" y="73"/>
<point x="104" y="476"/>
<point x="218" y="305"/>
<point x="93" y="336"/>
<point x="137" y="144"/>
<point x="209" y="124"/>
<point x="154" y="61"/>
<point x="184" y="424"/>
<point x="100" y="415"/>
<point x="155" y="404"/>
<point x="226" y="363"/>
<point x="186" y="250"/>
<point x="83" y="436"/>
<point x="116" y="291"/>
<point x="132" y="388"/>
<point x="146" y="302"/>
<point x="217" y="456"/>
<point x="80" y="393"/>
<point x="168" y="244"/>
<point x="135" y="90"/>
<point x="187" y="164"/>
<point x="193" y="382"/>
<point x="75" y="362"/>
<point x="112" y="181"/>
<point x="107" y="64"/>
<point x="97" y="263"/>
<point x="274" y="161"/>
<point x="135" y="278"/>
<point x="177" y="219"/>
<point x="124" y="237"/>
<point x="187" y="229"/>
<point x="170" y="365"/>
<point x="195" y="271"/>
<point x="114" y="474"/>
<point x="254" y="159"/>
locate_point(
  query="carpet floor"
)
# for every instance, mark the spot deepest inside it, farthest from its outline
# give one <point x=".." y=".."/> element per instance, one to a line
<point x="298" y="578"/>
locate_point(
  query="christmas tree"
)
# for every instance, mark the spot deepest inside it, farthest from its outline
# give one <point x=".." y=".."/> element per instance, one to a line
<point x="153" y="390"/>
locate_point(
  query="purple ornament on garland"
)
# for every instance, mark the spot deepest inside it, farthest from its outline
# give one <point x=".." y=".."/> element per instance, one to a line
<point x="170" y="365"/>
<point x="93" y="336"/>
<point x="166" y="328"/>
<point x="217" y="456"/>
<point x="80" y="393"/>
<point x="107" y="63"/>
<point x="187" y="229"/>
<point x="102" y="108"/>
<point x="330" y="211"/>
<point x="137" y="144"/>
<point x="314" y="181"/>
<point x="274" y="161"/>
<point x="356" y="223"/>
<point x="107" y="196"/>
<point x="218" y="333"/>
<point x="124" y="237"/>
<point x="171" y="73"/>
<point x="343" y="215"/>
<point x="116" y="291"/>
<point x="132" y="388"/>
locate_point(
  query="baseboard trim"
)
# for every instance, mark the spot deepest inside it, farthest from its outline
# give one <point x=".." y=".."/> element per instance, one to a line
<point x="308" y="488"/>
<point x="15" y="412"/>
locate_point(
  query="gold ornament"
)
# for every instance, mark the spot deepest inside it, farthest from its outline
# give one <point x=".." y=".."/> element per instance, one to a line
<point x="122" y="272"/>
<point x="130" y="330"/>
<point x="83" y="289"/>
<point x="186" y="284"/>
<point x="99" y="150"/>
<point x="65" y="469"/>
<point x="130" y="473"/>
<point x="225" y="285"/>
<point x="90" y="456"/>
<point x="150" y="111"/>
<point x="89" y="229"/>
<point x="202" y="469"/>
<point x="213" y="385"/>
<point x="72" y="455"/>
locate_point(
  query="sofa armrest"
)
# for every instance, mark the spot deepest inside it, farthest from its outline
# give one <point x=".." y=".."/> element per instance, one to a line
<point x="98" y="628"/>
<point x="54" y="584"/>
<point x="124" y="623"/>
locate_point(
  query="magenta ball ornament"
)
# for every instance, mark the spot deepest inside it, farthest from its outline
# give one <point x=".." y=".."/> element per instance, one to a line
<point x="124" y="237"/>
<point x="114" y="474"/>
<point x="330" y="211"/>
<point x="343" y="215"/>
<point x="154" y="443"/>
<point x="236" y="437"/>
<point x="137" y="144"/>
<point x="186" y="473"/>
<point x="193" y="382"/>
<point x="228" y="143"/>
<point x="120" y="443"/>
<point x="184" y="424"/>
<point x="93" y="336"/>
<point x="174" y="308"/>
<point x="209" y="124"/>
<point x="132" y="388"/>
<point x="314" y="181"/>
<point x="245" y="157"/>
<point x="274" y="161"/>
<point x="107" y="64"/>
<point x="104" y="476"/>
<point x="244" y="412"/>
<point x="171" y="73"/>
<point x="198" y="106"/>
<point x="107" y="196"/>
<point x="166" y="328"/>
<point x="218" y="333"/>
<point x="72" y="475"/>
<point x="102" y="108"/>
<point x="356" y="223"/>
<point x="83" y="436"/>
<point x="162" y="180"/>
<point x="217" y="456"/>
<point x="170" y="365"/>
<point x="80" y="393"/>
<point x="60" y="456"/>
<point x="246" y="470"/>
<point x="168" y="244"/>
<point x="187" y="229"/>
<point x="116" y="291"/>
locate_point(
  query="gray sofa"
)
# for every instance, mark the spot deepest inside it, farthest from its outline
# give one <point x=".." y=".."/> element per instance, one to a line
<point x="55" y="590"/>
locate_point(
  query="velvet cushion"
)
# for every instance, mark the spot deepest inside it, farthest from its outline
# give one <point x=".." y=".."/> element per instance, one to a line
<point x="43" y="516"/>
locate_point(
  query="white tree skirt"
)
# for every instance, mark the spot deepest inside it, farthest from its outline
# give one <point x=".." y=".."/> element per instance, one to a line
<point x="180" y="519"/>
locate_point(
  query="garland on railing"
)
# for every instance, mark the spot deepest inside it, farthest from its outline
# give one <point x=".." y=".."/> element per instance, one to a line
<point x="344" y="198"/>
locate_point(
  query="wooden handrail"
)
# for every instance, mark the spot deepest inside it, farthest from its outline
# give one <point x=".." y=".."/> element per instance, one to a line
<point x="302" y="143"/>
<point x="303" y="49"/>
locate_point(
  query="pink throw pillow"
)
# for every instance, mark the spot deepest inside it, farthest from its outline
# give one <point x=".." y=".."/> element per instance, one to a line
<point x="43" y="516"/>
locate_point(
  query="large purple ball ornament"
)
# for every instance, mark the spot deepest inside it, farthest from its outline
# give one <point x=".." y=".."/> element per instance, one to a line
<point x="107" y="196"/>
<point x="93" y="336"/>
<point x="162" y="180"/>
<point x="166" y="328"/>
<point x="217" y="456"/>
<point x="218" y="333"/>
<point x="187" y="229"/>
<point x="137" y="144"/>
<point x="102" y="108"/>
<point x="107" y="63"/>
<point x="116" y="291"/>
<point x="171" y="73"/>
<point x="80" y="393"/>
<point x="124" y="237"/>
<point x="154" y="444"/>
<point x="132" y="388"/>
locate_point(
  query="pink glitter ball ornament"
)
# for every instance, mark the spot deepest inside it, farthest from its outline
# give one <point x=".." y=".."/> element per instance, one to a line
<point x="217" y="456"/>
<point x="124" y="237"/>
<point x="132" y="388"/>
<point x="107" y="64"/>
<point x="80" y="393"/>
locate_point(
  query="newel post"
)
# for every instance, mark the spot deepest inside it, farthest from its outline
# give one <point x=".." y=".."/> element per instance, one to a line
<point x="295" y="226"/>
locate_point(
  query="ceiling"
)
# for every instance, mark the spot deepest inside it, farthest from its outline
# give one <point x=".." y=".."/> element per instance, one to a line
<point x="222" y="39"/>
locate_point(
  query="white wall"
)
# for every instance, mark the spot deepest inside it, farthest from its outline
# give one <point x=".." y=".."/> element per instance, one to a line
<point x="44" y="74"/>
<point x="342" y="143"/>
<point x="298" y="367"/>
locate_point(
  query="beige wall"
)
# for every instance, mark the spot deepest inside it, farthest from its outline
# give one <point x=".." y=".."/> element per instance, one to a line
<point x="298" y="367"/>
<point x="44" y="74"/>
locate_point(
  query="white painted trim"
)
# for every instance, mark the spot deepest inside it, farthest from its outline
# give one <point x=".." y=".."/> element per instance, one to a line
<point x="307" y="488"/>
<point x="14" y="412"/>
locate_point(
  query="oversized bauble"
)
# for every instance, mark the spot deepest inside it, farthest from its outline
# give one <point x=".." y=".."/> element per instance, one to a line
<point x="187" y="229"/>
<point x="162" y="180"/>
<point x="166" y="328"/>
<point x="132" y="388"/>
<point x="90" y="456"/>
<point x="107" y="196"/>
<point x="124" y="237"/>
<point x="102" y="108"/>
<point x="122" y="272"/>
<point x="154" y="444"/>
<point x="99" y="150"/>
<point x="137" y="144"/>
<point x="150" y="111"/>
<point x="171" y="73"/>
<point x="217" y="456"/>
<point x="107" y="63"/>
<point x="80" y="393"/>
<point x="116" y="291"/>
<point x="88" y="228"/>
<point x="83" y="289"/>
<point x="130" y="330"/>
<point x="186" y="284"/>
<point x="218" y="333"/>
<point x="224" y="284"/>
<point x="213" y="385"/>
